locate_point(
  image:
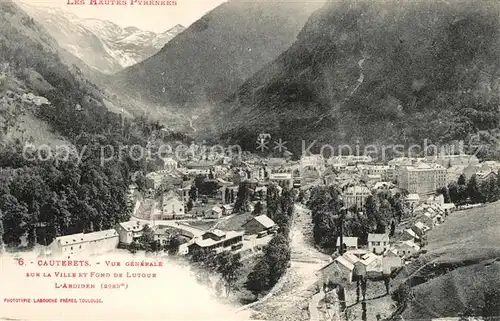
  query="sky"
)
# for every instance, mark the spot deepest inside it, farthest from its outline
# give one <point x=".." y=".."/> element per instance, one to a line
<point x="152" y="18"/>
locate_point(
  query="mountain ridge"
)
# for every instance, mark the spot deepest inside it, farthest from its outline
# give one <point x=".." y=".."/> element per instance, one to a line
<point x="383" y="72"/>
<point x="101" y="44"/>
<point x="211" y="58"/>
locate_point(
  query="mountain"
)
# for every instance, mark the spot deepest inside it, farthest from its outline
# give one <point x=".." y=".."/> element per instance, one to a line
<point x="384" y="72"/>
<point x="102" y="45"/>
<point x="32" y="64"/>
<point x="215" y="55"/>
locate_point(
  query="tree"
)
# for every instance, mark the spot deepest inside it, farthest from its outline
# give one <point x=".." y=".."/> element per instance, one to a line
<point x="462" y="180"/>
<point x="1" y="234"/>
<point x="491" y="307"/>
<point x="445" y="192"/>
<point x="189" y="205"/>
<point x="490" y="190"/>
<point x="473" y="190"/>
<point x="393" y="229"/>
<point x="387" y="281"/>
<point x="380" y="227"/>
<point x="147" y="234"/>
<point x="272" y="200"/>
<point x="258" y="279"/>
<point x="277" y="255"/>
<point x="371" y="211"/>
<point x="193" y="193"/>
<point x="172" y="246"/>
<point x="14" y="219"/>
<point x="229" y="266"/>
<point x="258" y="209"/>
<point x="196" y="255"/>
<point x="363" y="288"/>
<point x="242" y="203"/>
<point x="324" y="229"/>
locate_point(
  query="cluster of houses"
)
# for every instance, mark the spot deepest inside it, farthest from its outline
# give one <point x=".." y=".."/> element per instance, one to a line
<point x="192" y="238"/>
<point x="384" y="255"/>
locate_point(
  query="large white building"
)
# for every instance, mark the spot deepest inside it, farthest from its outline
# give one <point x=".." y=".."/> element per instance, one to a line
<point x="285" y="180"/>
<point x="129" y="231"/>
<point x="172" y="206"/>
<point x="80" y="244"/>
<point x="452" y="160"/>
<point x="422" y="178"/>
<point x="355" y="196"/>
<point x="378" y="243"/>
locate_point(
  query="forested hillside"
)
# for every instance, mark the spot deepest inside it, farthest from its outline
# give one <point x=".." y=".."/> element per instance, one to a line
<point x="44" y="194"/>
<point x="378" y="71"/>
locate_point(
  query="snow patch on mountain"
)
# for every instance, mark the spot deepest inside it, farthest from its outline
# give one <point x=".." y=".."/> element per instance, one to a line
<point x="101" y="44"/>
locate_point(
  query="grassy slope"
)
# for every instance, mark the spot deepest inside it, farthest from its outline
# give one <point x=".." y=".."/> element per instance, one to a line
<point x="468" y="243"/>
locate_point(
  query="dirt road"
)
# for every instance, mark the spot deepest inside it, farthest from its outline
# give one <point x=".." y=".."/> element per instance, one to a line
<point x="291" y="302"/>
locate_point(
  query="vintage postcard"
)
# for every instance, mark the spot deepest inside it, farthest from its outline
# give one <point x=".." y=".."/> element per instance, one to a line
<point x="281" y="160"/>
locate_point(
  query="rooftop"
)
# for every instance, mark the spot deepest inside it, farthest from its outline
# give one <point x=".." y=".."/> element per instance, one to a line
<point x="348" y="241"/>
<point x="265" y="221"/>
<point x="378" y="237"/>
<point x="210" y="242"/>
<point x="132" y="226"/>
<point x="89" y="237"/>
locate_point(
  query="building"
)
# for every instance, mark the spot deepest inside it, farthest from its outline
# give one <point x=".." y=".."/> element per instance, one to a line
<point x="170" y="164"/>
<point x="154" y="180"/>
<point x="426" y="219"/>
<point x="351" y="243"/>
<point x="454" y="172"/>
<point x="350" y="159"/>
<point x="339" y="271"/>
<point x="284" y="180"/>
<point x="410" y="235"/>
<point x="373" y="265"/>
<point x="129" y="231"/>
<point x="485" y="176"/>
<point x="227" y="209"/>
<point x="470" y="170"/>
<point x="355" y="196"/>
<point x="216" y="240"/>
<point x="378" y="243"/>
<point x="69" y="246"/>
<point x="391" y="261"/>
<point x="215" y="212"/>
<point x="259" y="224"/>
<point x="413" y="199"/>
<point x="406" y="248"/>
<point x="165" y="234"/>
<point x="172" y="206"/>
<point x="420" y="228"/>
<point x="422" y="178"/>
<point x="452" y="160"/>
<point x="385" y="172"/>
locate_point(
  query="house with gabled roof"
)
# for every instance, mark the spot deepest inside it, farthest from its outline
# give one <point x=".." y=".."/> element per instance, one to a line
<point x="420" y="228"/>
<point x="339" y="271"/>
<point x="410" y="235"/>
<point x="378" y="243"/>
<point x="129" y="231"/>
<point x="406" y="248"/>
<point x="391" y="260"/>
<point x="215" y="212"/>
<point x="259" y="224"/>
<point x="351" y="242"/>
